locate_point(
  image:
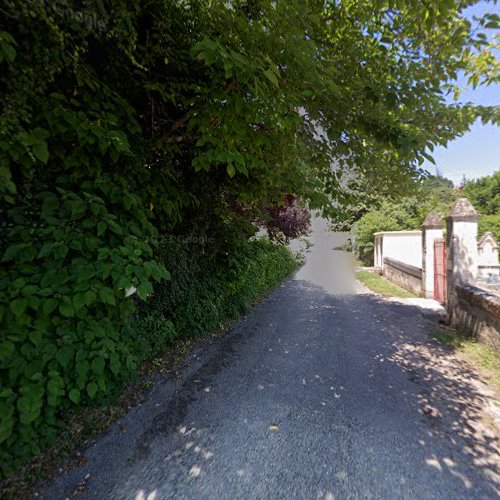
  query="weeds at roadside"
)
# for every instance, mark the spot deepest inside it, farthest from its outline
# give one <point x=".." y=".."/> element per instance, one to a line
<point x="380" y="285"/>
<point x="481" y="356"/>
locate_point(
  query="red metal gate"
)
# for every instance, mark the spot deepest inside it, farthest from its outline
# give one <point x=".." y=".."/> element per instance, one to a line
<point x="440" y="270"/>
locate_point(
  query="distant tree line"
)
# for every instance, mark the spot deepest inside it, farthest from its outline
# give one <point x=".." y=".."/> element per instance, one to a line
<point x="435" y="193"/>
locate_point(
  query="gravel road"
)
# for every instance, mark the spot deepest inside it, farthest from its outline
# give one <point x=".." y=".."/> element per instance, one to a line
<point x="320" y="392"/>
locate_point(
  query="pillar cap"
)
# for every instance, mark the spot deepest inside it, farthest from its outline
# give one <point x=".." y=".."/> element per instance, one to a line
<point x="433" y="220"/>
<point x="463" y="209"/>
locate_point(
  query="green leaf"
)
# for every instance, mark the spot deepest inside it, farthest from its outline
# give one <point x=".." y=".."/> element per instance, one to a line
<point x="114" y="363"/>
<point x="230" y="170"/>
<point x="7" y="348"/>
<point x="74" y="395"/>
<point x="144" y="289"/>
<point x="92" y="389"/>
<point x="48" y="306"/>
<point x="269" y="74"/>
<point x="18" y="306"/>
<point x="41" y="152"/>
<point x="13" y="251"/>
<point x="66" y="307"/>
<point x="8" y="51"/>
<point x="82" y="368"/>
<point x="116" y="228"/>
<point x="119" y="141"/>
<point x="65" y="355"/>
<point x="30" y="404"/>
<point x="55" y="390"/>
<point x="6" y="427"/>
<point x="35" y="336"/>
<point x="90" y="297"/>
<point x="45" y="250"/>
<point x="98" y="365"/>
<point x="107" y="296"/>
<point x="101" y="228"/>
<point x="79" y="301"/>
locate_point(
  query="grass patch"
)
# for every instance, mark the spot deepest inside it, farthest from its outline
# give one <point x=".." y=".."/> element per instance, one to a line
<point x="380" y="285"/>
<point x="482" y="356"/>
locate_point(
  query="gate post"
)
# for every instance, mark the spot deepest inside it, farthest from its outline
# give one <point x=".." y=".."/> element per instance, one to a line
<point x="432" y="229"/>
<point x="461" y="248"/>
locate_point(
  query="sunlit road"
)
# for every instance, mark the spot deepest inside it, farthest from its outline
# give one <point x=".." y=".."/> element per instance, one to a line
<point x="318" y="393"/>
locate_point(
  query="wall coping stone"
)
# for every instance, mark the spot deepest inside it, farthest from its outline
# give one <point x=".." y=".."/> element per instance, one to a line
<point x="479" y="297"/>
<point x="402" y="266"/>
<point x="382" y="233"/>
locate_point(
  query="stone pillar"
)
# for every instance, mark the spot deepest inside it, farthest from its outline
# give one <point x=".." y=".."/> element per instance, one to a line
<point x="432" y="229"/>
<point x="461" y="248"/>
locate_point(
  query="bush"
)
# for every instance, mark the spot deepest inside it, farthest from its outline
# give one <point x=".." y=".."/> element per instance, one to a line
<point x="59" y="355"/>
<point x="366" y="227"/>
<point x="209" y="287"/>
<point x="154" y="333"/>
<point x="490" y="223"/>
<point x="406" y="214"/>
<point x="286" y="220"/>
<point x="67" y="337"/>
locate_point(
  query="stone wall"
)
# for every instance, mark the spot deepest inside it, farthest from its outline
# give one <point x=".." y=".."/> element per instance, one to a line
<point x="476" y="312"/>
<point x="406" y="276"/>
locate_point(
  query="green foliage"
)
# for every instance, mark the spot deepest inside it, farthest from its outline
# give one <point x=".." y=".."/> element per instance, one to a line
<point x="490" y="223"/>
<point x="435" y="193"/>
<point x="124" y="120"/>
<point x="484" y="193"/>
<point x="155" y="334"/>
<point x="209" y="287"/>
<point x="65" y="335"/>
<point x="389" y="217"/>
<point x="407" y="213"/>
<point x="409" y="206"/>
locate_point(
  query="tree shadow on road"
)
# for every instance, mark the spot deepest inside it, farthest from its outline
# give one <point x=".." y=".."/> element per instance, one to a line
<point x="452" y="398"/>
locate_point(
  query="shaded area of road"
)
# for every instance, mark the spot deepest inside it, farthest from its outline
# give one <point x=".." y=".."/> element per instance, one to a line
<point x="314" y="394"/>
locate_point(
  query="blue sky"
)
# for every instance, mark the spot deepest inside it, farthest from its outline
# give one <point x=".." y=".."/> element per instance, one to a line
<point x="476" y="153"/>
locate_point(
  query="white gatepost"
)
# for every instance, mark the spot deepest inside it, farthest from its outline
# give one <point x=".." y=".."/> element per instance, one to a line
<point x="432" y="229"/>
<point x="461" y="248"/>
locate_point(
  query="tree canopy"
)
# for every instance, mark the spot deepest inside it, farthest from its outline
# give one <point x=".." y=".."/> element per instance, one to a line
<point x="484" y="193"/>
<point x="246" y="98"/>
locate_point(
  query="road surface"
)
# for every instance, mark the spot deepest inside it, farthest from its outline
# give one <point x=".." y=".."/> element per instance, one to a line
<point x="320" y="392"/>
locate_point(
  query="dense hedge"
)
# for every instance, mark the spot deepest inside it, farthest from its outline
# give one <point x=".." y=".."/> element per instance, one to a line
<point x="209" y="287"/>
<point x="87" y="352"/>
<point x="95" y="162"/>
